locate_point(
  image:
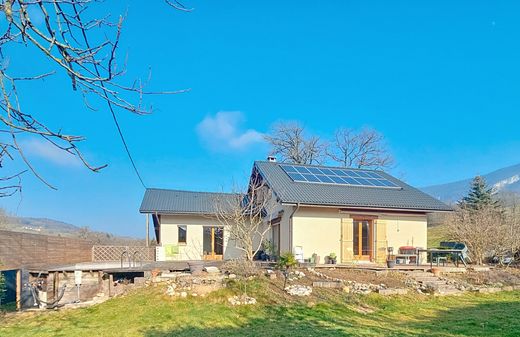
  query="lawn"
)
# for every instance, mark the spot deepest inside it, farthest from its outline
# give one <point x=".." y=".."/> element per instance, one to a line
<point x="148" y="312"/>
<point x="436" y="234"/>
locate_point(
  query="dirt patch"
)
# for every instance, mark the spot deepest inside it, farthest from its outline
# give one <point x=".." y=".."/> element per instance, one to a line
<point x="493" y="277"/>
<point x="389" y="279"/>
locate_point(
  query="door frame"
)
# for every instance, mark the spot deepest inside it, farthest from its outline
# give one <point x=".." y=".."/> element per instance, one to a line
<point x="212" y="256"/>
<point x="359" y="220"/>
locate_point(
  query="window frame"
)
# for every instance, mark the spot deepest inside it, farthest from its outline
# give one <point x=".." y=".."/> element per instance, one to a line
<point x="179" y="228"/>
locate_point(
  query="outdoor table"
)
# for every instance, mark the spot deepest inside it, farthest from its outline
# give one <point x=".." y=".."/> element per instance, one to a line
<point x="431" y="251"/>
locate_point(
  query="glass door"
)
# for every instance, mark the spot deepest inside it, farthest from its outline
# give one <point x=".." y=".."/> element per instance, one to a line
<point x="362" y="239"/>
<point x="213" y="243"/>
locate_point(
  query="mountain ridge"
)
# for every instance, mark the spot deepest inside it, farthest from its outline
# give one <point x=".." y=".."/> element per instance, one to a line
<point x="504" y="180"/>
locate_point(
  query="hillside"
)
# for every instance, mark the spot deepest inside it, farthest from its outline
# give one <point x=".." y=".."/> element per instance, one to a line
<point x="506" y="181"/>
<point x="46" y="226"/>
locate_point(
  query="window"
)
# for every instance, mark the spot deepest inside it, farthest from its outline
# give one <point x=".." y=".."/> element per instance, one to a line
<point x="182" y="234"/>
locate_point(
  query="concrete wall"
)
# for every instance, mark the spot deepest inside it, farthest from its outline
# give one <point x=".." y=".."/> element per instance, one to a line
<point x="193" y="249"/>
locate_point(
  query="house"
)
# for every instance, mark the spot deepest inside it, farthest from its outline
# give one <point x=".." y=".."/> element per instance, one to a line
<point x="357" y="214"/>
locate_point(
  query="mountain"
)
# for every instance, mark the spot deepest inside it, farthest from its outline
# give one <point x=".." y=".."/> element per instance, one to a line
<point x="503" y="181"/>
<point x="40" y="226"/>
<point x="46" y="226"/>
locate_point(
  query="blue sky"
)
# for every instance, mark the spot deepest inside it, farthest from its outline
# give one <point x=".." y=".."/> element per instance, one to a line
<point x="439" y="79"/>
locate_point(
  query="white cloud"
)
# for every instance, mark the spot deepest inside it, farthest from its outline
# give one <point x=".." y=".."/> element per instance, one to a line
<point x="222" y="132"/>
<point x="38" y="148"/>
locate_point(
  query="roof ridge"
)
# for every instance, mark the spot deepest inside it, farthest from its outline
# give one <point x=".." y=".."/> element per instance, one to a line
<point x="187" y="191"/>
<point x="320" y="166"/>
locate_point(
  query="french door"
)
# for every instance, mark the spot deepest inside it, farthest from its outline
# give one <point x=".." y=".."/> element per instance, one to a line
<point x="362" y="239"/>
<point x="213" y="243"/>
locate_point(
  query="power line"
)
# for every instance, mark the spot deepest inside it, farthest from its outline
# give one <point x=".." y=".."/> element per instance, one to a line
<point x="114" y="117"/>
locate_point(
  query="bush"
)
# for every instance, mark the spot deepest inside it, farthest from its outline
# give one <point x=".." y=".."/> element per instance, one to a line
<point x="240" y="267"/>
<point x="3" y="287"/>
<point x="287" y="260"/>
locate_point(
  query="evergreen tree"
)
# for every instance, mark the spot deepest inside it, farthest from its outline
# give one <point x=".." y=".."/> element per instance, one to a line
<point x="480" y="195"/>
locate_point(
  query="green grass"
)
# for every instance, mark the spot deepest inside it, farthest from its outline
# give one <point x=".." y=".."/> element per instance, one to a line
<point x="148" y="312"/>
<point x="436" y="234"/>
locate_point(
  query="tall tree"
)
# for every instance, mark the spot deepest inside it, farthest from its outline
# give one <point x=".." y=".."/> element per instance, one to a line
<point x="361" y="149"/>
<point x="479" y="196"/>
<point x="290" y="143"/>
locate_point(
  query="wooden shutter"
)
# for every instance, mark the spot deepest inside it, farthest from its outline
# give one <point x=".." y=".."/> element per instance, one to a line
<point x="347" y="243"/>
<point x="381" y="241"/>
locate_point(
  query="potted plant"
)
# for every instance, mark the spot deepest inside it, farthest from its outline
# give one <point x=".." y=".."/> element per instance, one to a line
<point x="332" y="258"/>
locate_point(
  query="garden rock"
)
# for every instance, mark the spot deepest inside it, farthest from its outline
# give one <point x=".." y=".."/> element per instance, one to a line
<point x="298" y="290"/>
<point x="242" y="300"/>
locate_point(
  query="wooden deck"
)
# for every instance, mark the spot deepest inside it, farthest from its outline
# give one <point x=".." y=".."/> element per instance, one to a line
<point x="399" y="267"/>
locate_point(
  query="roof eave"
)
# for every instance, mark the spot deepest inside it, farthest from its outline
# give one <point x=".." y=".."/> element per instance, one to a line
<point x="372" y="208"/>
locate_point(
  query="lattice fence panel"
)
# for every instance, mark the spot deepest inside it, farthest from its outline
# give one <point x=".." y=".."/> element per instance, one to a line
<point x="114" y="253"/>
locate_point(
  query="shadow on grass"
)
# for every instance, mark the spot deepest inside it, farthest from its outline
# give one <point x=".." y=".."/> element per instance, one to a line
<point x="485" y="319"/>
<point x="501" y="318"/>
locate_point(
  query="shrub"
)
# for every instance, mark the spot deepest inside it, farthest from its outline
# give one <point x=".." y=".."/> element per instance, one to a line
<point x="3" y="287"/>
<point x="287" y="260"/>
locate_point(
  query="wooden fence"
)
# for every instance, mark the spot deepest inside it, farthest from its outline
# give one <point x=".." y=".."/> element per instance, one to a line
<point x="114" y="253"/>
<point x="19" y="249"/>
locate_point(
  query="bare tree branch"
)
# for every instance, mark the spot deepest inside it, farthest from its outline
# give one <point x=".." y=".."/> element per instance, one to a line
<point x="289" y="142"/>
<point x="73" y="41"/>
<point x="245" y="216"/>
<point x="363" y="149"/>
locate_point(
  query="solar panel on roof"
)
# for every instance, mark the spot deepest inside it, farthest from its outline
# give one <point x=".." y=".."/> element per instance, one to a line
<point x="336" y="176"/>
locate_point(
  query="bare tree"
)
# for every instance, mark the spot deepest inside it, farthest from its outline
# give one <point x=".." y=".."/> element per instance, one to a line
<point x="245" y="216"/>
<point x="363" y="149"/>
<point x="488" y="231"/>
<point x="292" y="145"/>
<point x="75" y="42"/>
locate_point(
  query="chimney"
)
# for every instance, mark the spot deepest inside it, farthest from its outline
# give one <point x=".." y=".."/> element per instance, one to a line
<point x="271" y="159"/>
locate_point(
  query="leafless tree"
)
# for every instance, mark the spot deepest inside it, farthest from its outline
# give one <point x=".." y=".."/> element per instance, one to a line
<point x="362" y="149"/>
<point x="290" y="143"/>
<point x="245" y="216"/>
<point x="487" y="231"/>
<point x="76" y="42"/>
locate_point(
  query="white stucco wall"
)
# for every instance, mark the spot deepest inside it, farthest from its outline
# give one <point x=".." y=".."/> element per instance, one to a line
<point x="193" y="249"/>
<point x="406" y="230"/>
<point x="317" y="230"/>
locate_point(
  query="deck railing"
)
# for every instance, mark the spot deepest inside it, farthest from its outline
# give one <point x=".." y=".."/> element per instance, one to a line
<point x="114" y="253"/>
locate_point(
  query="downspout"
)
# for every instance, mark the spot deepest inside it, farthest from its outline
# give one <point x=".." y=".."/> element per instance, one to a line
<point x="291" y="226"/>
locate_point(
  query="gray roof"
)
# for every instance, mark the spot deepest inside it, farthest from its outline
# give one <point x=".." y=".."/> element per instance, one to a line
<point x="406" y="197"/>
<point x="165" y="201"/>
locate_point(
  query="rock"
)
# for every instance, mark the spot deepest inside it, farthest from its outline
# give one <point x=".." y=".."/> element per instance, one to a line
<point x="489" y="290"/>
<point x="211" y="270"/>
<point x="170" y="291"/>
<point x="232" y="276"/>
<point x="184" y="294"/>
<point x="346" y="289"/>
<point x="272" y="276"/>
<point x="242" y="300"/>
<point x="507" y="288"/>
<point x="396" y="291"/>
<point x="327" y="284"/>
<point x="298" y="290"/>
